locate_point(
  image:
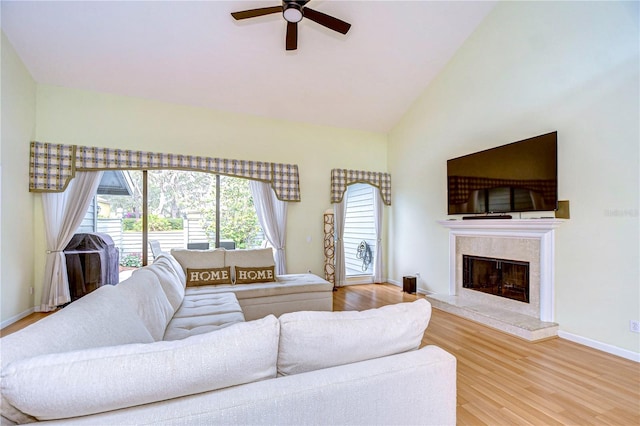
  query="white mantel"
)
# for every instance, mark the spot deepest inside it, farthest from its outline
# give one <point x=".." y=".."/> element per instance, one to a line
<point x="518" y="227"/>
<point x="541" y="229"/>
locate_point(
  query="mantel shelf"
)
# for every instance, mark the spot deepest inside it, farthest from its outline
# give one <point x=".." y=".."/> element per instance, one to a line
<point x="503" y="225"/>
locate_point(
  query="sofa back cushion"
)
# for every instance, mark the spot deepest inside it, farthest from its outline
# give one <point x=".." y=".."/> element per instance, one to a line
<point x="101" y="318"/>
<point x="169" y="279"/>
<point x="199" y="259"/>
<point x="314" y="340"/>
<point x="175" y="265"/>
<point x="253" y="258"/>
<point x="96" y="380"/>
<point x="145" y="294"/>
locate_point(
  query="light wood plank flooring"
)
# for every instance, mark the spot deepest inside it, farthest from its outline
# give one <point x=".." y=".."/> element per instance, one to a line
<point x="34" y="317"/>
<point x="503" y="380"/>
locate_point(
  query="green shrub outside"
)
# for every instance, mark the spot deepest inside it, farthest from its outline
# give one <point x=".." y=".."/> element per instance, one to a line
<point x="156" y="223"/>
<point x="133" y="260"/>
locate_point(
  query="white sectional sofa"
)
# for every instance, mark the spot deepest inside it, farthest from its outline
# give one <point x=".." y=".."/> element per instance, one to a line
<point x="152" y="351"/>
<point x="285" y="293"/>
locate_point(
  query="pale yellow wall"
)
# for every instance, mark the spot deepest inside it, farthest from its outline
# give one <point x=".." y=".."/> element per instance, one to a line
<point x="18" y="105"/>
<point x="87" y="118"/>
<point x="532" y="68"/>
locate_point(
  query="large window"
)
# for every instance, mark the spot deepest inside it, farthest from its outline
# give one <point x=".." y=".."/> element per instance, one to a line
<point x="184" y="209"/>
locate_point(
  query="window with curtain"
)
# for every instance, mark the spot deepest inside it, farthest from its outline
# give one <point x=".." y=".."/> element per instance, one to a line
<point x="341" y="180"/>
<point x="68" y="177"/>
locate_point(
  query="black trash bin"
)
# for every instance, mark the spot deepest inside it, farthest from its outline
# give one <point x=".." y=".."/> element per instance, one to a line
<point x="409" y="284"/>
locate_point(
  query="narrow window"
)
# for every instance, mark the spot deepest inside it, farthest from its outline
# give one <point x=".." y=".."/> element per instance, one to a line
<point x="359" y="231"/>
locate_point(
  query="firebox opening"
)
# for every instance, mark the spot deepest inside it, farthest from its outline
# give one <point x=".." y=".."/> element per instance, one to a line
<point x="500" y="277"/>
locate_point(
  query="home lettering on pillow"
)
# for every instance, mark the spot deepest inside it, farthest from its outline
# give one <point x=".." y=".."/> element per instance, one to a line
<point x="262" y="274"/>
<point x="208" y="276"/>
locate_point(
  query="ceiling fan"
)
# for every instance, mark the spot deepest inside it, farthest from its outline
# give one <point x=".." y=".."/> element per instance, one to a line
<point x="293" y="11"/>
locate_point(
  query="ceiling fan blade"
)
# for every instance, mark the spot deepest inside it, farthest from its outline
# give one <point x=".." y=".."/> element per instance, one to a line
<point x="330" y="22"/>
<point x="252" y="13"/>
<point x="292" y="35"/>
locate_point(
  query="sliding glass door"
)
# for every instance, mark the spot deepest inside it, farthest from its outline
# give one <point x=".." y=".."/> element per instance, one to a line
<point x="173" y="209"/>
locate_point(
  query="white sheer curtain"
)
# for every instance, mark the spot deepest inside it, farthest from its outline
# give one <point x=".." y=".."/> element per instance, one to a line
<point x="63" y="214"/>
<point x="339" y="214"/>
<point x="272" y="214"/>
<point x="377" y="219"/>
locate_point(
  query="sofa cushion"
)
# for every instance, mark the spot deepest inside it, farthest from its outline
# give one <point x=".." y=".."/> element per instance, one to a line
<point x="248" y="258"/>
<point x="199" y="259"/>
<point x="169" y="279"/>
<point x="261" y="274"/>
<point x="175" y="265"/>
<point x="203" y="314"/>
<point x="103" y="379"/>
<point x="145" y="294"/>
<point x="314" y="340"/>
<point x="101" y="318"/>
<point x="207" y="304"/>
<point x="182" y="328"/>
<point x="208" y="276"/>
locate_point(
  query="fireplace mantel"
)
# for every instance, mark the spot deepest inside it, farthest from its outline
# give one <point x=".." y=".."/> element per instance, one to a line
<point x="541" y="229"/>
<point x="517" y="227"/>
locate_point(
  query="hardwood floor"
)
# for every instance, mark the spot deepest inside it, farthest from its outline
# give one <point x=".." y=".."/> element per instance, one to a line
<point x="505" y="380"/>
<point x="34" y="317"/>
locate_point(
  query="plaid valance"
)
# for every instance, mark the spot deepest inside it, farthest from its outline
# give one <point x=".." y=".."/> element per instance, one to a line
<point x="52" y="166"/>
<point x="460" y="187"/>
<point x="341" y="178"/>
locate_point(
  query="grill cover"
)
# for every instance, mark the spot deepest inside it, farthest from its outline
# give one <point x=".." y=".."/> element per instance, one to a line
<point x="92" y="261"/>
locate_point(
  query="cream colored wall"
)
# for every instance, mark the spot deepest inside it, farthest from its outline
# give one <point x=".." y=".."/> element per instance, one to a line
<point x="532" y="68"/>
<point x="16" y="203"/>
<point x="87" y="118"/>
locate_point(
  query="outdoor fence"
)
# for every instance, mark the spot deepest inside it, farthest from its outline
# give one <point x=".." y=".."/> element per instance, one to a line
<point x="130" y="242"/>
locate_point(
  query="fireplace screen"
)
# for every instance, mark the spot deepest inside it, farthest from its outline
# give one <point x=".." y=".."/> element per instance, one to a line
<point x="500" y="277"/>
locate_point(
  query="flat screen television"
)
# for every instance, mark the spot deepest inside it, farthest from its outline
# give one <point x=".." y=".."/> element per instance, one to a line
<point x="517" y="177"/>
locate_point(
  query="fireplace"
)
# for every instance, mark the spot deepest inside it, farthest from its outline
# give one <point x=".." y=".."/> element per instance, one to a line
<point x="526" y="243"/>
<point x="525" y="240"/>
<point x="499" y="277"/>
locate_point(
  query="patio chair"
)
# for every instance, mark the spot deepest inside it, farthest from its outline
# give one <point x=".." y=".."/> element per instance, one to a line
<point x="155" y="248"/>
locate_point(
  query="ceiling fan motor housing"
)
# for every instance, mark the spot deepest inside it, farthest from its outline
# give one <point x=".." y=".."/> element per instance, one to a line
<point x="292" y="10"/>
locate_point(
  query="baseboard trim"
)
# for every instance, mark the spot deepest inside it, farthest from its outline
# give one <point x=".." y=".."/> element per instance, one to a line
<point x="399" y="284"/>
<point x="17" y="318"/>
<point x="365" y="279"/>
<point x="604" y="347"/>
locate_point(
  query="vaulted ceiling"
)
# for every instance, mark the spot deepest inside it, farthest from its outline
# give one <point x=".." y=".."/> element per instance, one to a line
<point x="195" y="53"/>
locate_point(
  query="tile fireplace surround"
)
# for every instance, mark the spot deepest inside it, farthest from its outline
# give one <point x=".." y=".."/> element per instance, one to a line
<point x="529" y="240"/>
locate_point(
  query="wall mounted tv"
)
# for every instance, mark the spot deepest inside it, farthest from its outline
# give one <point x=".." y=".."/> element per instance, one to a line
<point x="517" y="177"/>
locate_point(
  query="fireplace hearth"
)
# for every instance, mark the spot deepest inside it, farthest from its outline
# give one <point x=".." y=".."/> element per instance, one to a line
<point x="499" y="277"/>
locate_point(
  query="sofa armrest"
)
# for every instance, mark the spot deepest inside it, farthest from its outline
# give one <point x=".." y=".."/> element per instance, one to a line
<point x="417" y="387"/>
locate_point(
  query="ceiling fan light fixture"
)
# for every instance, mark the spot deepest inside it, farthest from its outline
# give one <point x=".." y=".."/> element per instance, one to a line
<point x="292" y="13"/>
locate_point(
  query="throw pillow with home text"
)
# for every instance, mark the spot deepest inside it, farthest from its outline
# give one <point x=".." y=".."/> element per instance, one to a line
<point x="263" y="274"/>
<point x="208" y="276"/>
